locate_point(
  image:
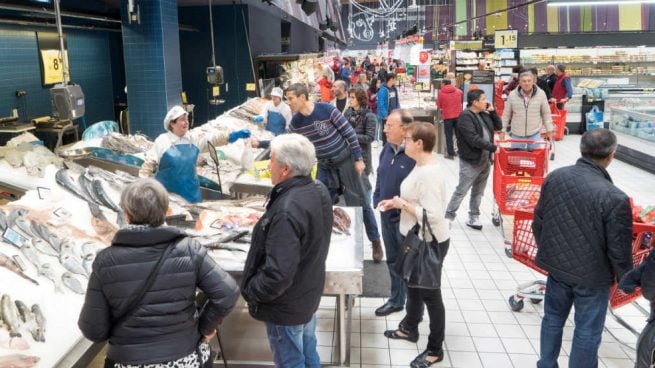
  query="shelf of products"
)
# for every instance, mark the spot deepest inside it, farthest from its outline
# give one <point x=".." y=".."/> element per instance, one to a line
<point x="598" y="62"/>
<point x="470" y="60"/>
<point x="504" y="61"/>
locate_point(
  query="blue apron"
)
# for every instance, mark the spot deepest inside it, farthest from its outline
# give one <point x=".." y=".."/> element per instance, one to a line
<point x="276" y="123"/>
<point x="177" y="171"/>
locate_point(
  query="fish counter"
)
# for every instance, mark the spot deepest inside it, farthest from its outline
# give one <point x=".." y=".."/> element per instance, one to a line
<point x="52" y="234"/>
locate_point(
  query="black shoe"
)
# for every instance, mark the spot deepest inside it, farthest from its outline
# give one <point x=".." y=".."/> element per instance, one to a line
<point x="450" y="157"/>
<point x="393" y="334"/>
<point x="421" y="362"/>
<point x="387" y="309"/>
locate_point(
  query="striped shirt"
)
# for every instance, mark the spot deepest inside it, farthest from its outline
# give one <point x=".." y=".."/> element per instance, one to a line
<point x="328" y="130"/>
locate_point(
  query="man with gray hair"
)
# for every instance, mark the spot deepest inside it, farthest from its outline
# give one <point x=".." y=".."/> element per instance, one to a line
<point x="583" y="229"/>
<point x="526" y="110"/>
<point x="284" y="274"/>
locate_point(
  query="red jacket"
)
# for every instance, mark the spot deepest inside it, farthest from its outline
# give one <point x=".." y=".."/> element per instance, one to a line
<point x="559" y="91"/>
<point x="450" y="101"/>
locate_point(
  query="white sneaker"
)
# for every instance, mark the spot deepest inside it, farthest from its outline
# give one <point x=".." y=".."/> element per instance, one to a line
<point x="474" y="222"/>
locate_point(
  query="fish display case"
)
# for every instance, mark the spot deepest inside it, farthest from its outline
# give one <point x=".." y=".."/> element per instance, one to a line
<point x="632" y="118"/>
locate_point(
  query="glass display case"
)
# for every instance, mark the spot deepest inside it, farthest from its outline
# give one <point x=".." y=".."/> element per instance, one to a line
<point x="632" y="113"/>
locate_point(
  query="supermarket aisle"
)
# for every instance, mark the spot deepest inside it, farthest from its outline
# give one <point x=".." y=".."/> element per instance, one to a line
<point x="481" y="330"/>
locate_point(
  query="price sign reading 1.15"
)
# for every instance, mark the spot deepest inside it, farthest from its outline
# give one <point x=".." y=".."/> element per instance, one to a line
<point x="507" y="39"/>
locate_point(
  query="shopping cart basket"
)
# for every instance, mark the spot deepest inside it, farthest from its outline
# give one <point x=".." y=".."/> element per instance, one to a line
<point x="524" y="250"/>
<point x="518" y="174"/>
<point x="559" y="120"/>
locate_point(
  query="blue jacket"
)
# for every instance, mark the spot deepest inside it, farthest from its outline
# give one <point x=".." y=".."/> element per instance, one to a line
<point x="393" y="168"/>
<point x="387" y="101"/>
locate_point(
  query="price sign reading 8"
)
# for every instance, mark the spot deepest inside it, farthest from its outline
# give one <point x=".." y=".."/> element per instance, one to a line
<point x="52" y="66"/>
<point x="507" y="39"/>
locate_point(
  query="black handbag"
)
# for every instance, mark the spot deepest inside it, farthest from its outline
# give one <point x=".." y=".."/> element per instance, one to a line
<point x="419" y="261"/>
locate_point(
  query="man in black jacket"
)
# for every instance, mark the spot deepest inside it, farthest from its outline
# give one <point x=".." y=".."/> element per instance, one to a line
<point x="394" y="167"/>
<point x="583" y="229"/>
<point x="475" y="136"/>
<point x="284" y="274"/>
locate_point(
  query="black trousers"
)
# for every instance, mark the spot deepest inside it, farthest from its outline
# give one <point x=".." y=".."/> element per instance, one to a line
<point x="431" y="298"/>
<point x="449" y="129"/>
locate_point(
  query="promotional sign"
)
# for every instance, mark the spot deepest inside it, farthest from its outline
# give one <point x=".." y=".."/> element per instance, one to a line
<point x="423" y="72"/>
<point x="423" y="57"/>
<point x="506" y="39"/>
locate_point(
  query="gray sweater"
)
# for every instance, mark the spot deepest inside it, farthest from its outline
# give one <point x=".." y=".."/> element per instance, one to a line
<point x="526" y="117"/>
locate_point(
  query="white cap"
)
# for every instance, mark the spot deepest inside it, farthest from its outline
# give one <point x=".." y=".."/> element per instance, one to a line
<point x="173" y="114"/>
<point x="277" y="91"/>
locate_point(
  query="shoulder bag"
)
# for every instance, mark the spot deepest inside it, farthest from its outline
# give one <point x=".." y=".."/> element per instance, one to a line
<point x="419" y="261"/>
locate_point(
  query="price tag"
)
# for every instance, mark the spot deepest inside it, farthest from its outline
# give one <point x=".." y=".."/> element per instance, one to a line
<point x="507" y="39"/>
<point x="251" y="87"/>
<point x="53" y="68"/>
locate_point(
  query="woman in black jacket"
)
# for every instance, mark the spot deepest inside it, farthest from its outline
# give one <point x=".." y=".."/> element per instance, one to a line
<point x="364" y="123"/>
<point x="164" y="326"/>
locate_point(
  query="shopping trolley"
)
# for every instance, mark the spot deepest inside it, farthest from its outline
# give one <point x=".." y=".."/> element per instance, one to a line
<point x="524" y="250"/>
<point x="559" y="120"/>
<point x="518" y="173"/>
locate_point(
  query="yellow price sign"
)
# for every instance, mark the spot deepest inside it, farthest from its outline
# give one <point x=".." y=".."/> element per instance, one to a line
<point x="251" y="87"/>
<point x="53" y="68"/>
<point x="507" y="39"/>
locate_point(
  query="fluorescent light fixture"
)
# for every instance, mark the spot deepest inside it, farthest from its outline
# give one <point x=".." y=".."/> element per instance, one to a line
<point x="596" y="2"/>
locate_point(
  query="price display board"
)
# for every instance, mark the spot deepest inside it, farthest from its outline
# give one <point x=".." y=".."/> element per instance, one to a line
<point x="506" y="39"/>
<point x="52" y="68"/>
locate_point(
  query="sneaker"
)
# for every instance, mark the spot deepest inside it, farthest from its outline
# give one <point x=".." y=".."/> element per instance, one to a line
<point x="474" y="222"/>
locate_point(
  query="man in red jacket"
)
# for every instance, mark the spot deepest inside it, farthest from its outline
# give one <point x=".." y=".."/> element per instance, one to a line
<point x="450" y="101"/>
<point x="563" y="89"/>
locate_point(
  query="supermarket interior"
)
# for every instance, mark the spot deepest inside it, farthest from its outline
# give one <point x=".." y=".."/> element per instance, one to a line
<point x="91" y="182"/>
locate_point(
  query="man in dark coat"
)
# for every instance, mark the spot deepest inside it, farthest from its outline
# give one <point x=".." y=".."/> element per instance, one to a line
<point x="284" y="274"/>
<point x="583" y="229"/>
<point x="475" y="131"/>
<point x="394" y="166"/>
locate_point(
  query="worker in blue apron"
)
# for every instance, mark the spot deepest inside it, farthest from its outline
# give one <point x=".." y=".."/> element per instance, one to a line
<point x="276" y="114"/>
<point x="175" y="153"/>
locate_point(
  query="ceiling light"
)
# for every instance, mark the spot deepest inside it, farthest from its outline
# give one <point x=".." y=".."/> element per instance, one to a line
<point x="596" y="2"/>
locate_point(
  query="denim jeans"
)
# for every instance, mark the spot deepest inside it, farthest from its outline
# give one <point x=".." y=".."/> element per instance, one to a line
<point x="294" y="346"/>
<point x="393" y="240"/>
<point x="590" y="310"/>
<point x="371" y="226"/>
<point x="474" y="177"/>
<point x="449" y="128"/>
<point x="431" y="298"/>
<point x="534" y="137"/>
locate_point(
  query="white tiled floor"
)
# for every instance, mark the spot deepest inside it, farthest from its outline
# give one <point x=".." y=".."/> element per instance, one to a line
<point x="481" y="330"/>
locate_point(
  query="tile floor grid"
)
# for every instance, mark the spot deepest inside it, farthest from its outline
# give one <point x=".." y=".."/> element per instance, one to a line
<point x="478" y="279"/>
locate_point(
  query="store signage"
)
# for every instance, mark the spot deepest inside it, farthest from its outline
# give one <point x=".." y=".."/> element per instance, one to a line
<point x="506" y="39"/>
<point x="466" y="45"/>
<point x="482" y="77"/>
<point x="52" y="67"/>
<point x="423" y="57"/>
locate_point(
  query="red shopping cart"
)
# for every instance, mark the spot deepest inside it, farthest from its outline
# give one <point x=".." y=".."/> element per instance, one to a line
<point x="524" y="250"/>
<point x="559" y="120"/>
<point x="519" y="170"/>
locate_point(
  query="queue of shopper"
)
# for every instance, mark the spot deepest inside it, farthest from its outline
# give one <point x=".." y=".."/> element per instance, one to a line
<point x="284" y="273"/>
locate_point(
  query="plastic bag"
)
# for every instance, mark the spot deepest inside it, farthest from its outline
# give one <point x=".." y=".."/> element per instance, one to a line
<point x="594" y="118"/>
<point x="247" y="158"/>
<point x="99" y="130"/>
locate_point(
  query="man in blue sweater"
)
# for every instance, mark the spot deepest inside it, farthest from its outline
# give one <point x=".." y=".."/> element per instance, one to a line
<point x="388" y="100"/>
<point x="394" y="167"/>
<point x="339" y="155"/>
